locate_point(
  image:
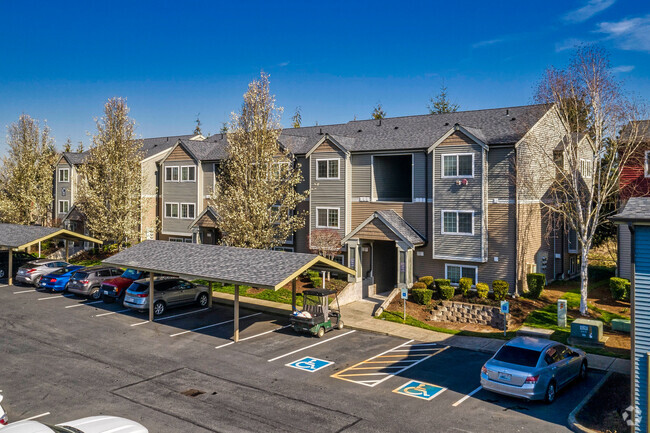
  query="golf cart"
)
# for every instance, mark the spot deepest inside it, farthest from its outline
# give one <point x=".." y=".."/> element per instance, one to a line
<point x="316" y="316"/>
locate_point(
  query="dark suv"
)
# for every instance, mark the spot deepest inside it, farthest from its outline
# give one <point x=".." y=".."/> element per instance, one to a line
<point x="19" y="258"/>
<point x="86" y="282"/>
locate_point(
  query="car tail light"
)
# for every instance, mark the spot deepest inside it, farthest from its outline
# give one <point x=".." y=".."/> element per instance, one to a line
<point x="84" y="281"/>
<point x="3" y="419"/>
<point x="141" y="295"/>
<point x="484" y="370"/>
<point x="31" y="270"/>
<point x="532" y="379"/>
<point x="52" y="280"/>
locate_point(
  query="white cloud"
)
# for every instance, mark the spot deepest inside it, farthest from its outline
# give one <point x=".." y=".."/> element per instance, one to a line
<point x="569" y="44"/>
<point x="488" y="42"/>
<point x="622" y="69"/>
<point x="587" y="11"/>
<point x="283" y="64"/>
<point x="630" y="34"/>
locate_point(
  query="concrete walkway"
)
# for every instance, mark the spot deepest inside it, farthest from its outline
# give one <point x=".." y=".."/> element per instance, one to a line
<point x="358" y="315"/>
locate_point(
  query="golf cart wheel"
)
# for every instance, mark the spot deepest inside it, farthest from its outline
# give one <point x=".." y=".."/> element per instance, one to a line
<point x="320" y="332"/>
<point x="549" y="396"/>
<point x="583" y="370"/>
<point x="95" y="295"/>
<point x="202" y="299"/>
<point x="339" y="326"/>
<point x="158" y="308"/>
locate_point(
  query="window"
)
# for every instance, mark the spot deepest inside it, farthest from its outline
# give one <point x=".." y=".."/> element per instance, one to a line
<point x="457" y="222"/>
<point x="586" y="167"/>
<point x="455" y="272"/>
<point x="188" y="173"/>
<point x="176" y="240"/>
<point x="188" y="210"/>
<point x="285" y="249"/>
<point x="393" y="177"/>
<point x="64" y="206"/>
<point x="327" y="169"/>
<point x="327" y="217"/>
<point x="171" y="174"/>
<point x="647" y="163"/>
<point x="572" y="240"/>
<point x="458" y="165"/>
<point x="171" y="210"/>
<point x="64" y="175"/>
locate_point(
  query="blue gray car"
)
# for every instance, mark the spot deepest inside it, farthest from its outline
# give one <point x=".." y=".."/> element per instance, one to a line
<point x="533" y="368"/>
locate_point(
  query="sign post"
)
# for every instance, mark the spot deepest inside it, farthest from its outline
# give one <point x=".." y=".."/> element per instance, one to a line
<point x="505" y="309"/>
<point x="405" y="295"/>
<point x="561" y="313"/>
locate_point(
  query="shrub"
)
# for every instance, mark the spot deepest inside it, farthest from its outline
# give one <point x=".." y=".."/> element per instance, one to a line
<point x="317" y="282"/>
<point x="464" y="285"/>
<point x="482" y="290"/>
<point x="421" y="296"/>
<point x="536" y="284"/>
<point x="500" y="289"/>
<point x="441" y="282"/>
<point x="447" y="292"/>
<point x="428" y="281"/>
<point x="620" y="288"/>
<point x="419" y="286"/>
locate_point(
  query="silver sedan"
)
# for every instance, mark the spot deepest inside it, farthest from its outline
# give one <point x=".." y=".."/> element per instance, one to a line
<point x="533" y="368"/>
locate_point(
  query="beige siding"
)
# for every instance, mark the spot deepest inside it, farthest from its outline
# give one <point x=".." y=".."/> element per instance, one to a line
<point x="413" y="213"/>
<point x="178" y="154"/>
<point x="378" y="231"/>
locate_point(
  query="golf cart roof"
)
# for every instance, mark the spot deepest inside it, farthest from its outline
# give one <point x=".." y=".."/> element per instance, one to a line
<point x="318" y="292"/>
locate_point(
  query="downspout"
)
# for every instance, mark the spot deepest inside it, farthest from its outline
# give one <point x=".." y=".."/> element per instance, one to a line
<point x="426" y="200"/>
<point x="516" y="165"/>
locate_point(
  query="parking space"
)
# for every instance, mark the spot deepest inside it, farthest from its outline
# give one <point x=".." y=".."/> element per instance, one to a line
<point x="111" y="359"/>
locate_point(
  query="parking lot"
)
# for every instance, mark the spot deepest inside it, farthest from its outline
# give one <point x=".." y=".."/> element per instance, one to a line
<point x="65" y="357"/>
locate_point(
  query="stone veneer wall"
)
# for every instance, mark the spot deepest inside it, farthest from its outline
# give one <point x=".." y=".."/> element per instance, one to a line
<point x="452" y="311"/>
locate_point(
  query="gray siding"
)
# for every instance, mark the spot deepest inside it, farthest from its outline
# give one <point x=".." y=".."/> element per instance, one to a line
<point x="63" y="190"/>
<point x="304" y="168"/>
<point x="419" y="176"/>
<point x="624" y="252"/>
<point x="501" y="183"/>
<point x="641" y="314"/>
<point x="328" y="192"/>
<point x="361" y="176"/>
<point x="208" y="178"/>
<point x="178" y="192"/>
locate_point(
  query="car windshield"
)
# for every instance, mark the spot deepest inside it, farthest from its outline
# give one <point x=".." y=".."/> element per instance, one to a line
<point x="517" y="356"/>
<point x="132" y="274"/>
<point x="62" y="271"/>
<point x="137" y="287"/>
<point x="79" y="275"/>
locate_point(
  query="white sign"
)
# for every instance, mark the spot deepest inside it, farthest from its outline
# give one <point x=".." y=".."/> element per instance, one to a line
<point x="405" y="293"/>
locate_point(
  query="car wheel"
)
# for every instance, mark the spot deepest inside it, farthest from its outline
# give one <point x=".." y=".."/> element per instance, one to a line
<point x="37" y="281"/>
<point x="339" y="326"/>
<point x="549" y="397"/>
<point x="320" y="332"/>
<point x="158" y="308"/>
<point x="583" y="370"/>
<point x="202" y="300"/>
<point x="96" y="294"/>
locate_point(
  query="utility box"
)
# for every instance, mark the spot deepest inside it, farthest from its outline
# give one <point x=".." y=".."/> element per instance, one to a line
<point x="621" y="325"/>
<point x="587" y="333"/>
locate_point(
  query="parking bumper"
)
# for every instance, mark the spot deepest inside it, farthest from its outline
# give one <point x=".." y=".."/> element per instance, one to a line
<point x="526" y="391"/>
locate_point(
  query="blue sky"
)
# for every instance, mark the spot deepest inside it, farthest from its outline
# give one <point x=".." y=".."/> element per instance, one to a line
<point x="60" y="61"/>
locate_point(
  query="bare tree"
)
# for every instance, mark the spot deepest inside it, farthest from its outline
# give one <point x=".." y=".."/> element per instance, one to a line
<point x="110" y="188"/>
<point x="67" y="146"/>
<point x="255" y="194"/>
<point x="26" y="173"/>
<point x="325" y="242"/>
<point x="575" y="177"/>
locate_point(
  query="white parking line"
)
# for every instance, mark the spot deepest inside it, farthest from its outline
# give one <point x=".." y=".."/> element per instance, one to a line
<point x="36" y="416"/>
<point x="211" y="326"/>
<point x="113" y="312"/>
<point x="55" y="297"/>
<point x="313" y="345"/>
<point x="467" y="396"/>
<point x="4" y="285"/>
<point x="253" y="336"/>
<point x="26" y="291"/>
<point x="83" y="303"/>
<point x="171" y="317"/>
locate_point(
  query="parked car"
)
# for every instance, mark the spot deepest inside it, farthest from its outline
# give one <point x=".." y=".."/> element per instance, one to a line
<point x="92" y="424"/>
<point x="115" y="288"/>
<point x="18" y="259"/>
<point x="86" y="282"/>
<point x="168" y="293"/>
<point x="3" y="415"/>
<point x="57" y="281"/>
<point x="533" y="368"/>
<point x="32" y="272"/>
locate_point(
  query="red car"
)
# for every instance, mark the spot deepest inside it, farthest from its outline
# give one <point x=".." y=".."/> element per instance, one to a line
<point x="116" y="288"/>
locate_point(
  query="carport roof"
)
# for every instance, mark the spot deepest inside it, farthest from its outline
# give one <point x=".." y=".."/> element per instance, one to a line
<point x="22" y="236"/>
<point x="265" y="269"/>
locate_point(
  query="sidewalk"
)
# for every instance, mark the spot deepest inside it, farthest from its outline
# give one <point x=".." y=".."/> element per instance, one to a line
<point x="358" y="315"/>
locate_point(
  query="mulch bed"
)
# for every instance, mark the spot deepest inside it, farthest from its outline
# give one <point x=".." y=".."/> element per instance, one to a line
<point x="605" y="410"/>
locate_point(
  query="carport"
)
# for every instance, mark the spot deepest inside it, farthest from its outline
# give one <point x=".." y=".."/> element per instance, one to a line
<point x="19" y="237"/>
<point x="264" y="269"/>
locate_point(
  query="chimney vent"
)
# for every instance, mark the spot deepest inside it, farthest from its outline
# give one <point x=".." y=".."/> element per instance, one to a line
<point x="379" y="122"/>
<point x="320" y="132"/>
<point x="507" y="111"/>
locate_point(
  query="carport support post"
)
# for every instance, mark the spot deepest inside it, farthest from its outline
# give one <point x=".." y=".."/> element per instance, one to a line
<point x="67" y="255"/>
<point x="236" y="323"/>
<point x="151" y="296"/>
<point x="10" y="268"/>
<point x="210" y="295"/>
<point x="293" y="295"/>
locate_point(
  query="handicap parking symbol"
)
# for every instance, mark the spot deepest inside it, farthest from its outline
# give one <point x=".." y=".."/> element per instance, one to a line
<point x="423" y="390"/>
<point x="309" y="364"/>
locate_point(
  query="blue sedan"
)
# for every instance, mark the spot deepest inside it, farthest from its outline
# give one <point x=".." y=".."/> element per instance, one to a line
<point x="57" y="281"/>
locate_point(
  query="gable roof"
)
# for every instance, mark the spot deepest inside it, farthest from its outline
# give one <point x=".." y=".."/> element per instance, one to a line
<point x="395" y="223"/>
<point x="22" y="236"/>
<point x="75" y="158"/>
<point x="637" y="209"/>
<point x="155" y="145"/>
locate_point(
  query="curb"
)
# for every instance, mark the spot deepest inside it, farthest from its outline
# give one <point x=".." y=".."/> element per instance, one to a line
<point x="571" y="420"/>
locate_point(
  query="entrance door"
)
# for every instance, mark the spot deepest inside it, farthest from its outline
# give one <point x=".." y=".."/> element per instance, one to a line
<point x="385" y="265"/>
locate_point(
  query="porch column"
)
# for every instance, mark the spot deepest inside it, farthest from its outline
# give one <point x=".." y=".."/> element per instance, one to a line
<point x="236" y="321"/>
<point x="210" y="296"/>
<point x="293" y="294"/>
<point x="10" y="268"/>
<point x="151" y="296"/>
<point x="354" y="259"/>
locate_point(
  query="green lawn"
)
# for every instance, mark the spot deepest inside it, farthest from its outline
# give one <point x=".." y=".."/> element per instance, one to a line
<point x="87" y="262"/>
<point x="282" y="296"/>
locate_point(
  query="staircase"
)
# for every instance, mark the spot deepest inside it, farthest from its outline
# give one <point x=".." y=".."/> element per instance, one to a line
<point x="60" y="253"/>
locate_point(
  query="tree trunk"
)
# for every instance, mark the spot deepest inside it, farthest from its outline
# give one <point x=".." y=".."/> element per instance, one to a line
<point x="584" y="281"/>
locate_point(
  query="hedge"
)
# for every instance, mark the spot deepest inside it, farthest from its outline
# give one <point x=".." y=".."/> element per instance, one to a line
<point x="464" y="285"/>
<point x="482" y="290"/>
<point x="317" y="282"/>
<point x="536" y="284"/>
<point x="419" y="286"/>
<point x="620" y="288"/>
<point x="421" y="296"/>
<point x="428" y="280"/>
<point x="447" y="292"/>
<point x="500" y="289"/>
<point x="441" y="282"/>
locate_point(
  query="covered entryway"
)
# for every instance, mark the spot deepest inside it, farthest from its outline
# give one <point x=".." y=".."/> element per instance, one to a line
<point x="204" y="227"/>
<point x="263" y="269"/>
<point x="380" y="250"/>
<point x="16" y="237"/>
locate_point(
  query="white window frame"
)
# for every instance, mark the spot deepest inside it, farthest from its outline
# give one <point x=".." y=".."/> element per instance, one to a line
<point x="338" y="166"/>
<point x="456" y="211"/>
<point x="65" y="170"/>
<point x="277" y="171"/>
<point x="338" y="225"/>
<point x="476" y="280"/>
<point x="457" y="176"/>
<point x="178" y="173"/>
<point x="586" y="168"/>
<point x="67" y="206"/>
<point x="178" y="209"/>
<point x="647" y="163"/>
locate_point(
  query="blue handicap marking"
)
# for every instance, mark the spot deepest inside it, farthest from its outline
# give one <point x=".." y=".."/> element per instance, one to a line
<point x="417" y="389"/>
<point x="309" y="364"/>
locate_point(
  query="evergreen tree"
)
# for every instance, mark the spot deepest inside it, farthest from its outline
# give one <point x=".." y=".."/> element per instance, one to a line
<point x="296" y="120"/>
<point x="378" y="112"/>
<point x="441" y="104"/>
<point x="197" y="129"/>
<point x="67" y="146"/>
